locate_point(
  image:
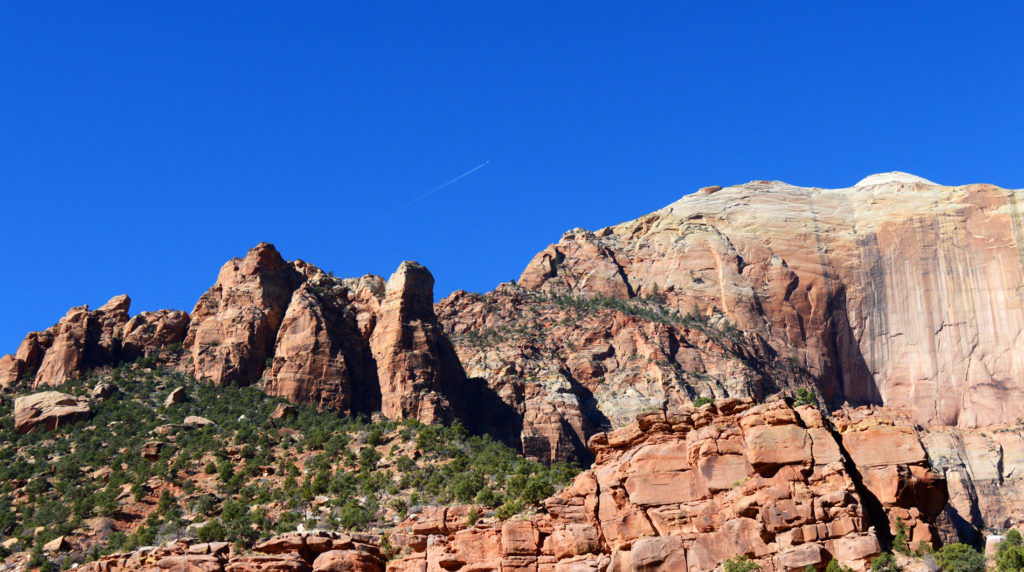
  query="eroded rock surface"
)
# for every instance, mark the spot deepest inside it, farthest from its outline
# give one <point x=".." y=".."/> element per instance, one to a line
<point x="687" y="489"/>
<point x="896" y="291"/>
<point x="291" y="552"/>
<point x="48" y="410"/>
<point x="410" y="351"/>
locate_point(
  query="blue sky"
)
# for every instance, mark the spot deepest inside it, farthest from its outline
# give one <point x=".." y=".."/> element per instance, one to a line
<point x="143" y="144"/>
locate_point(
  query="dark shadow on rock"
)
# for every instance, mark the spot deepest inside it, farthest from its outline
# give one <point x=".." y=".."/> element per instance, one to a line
<point x="850" y="379"/>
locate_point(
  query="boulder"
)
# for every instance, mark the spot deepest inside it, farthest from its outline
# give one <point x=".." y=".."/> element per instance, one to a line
<point x="56" y="545"/>
<point x="103" y="391"/>
<point x="47" y="410"/>
<point x="177" y="395"/>
<point x="152" y="449"/>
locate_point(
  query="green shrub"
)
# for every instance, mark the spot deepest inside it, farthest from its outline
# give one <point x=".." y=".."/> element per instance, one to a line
<point x="899" y="540"/>
<point x="1010" y="553"/>
<point x="960" y="558"/>
<point x="885" y="562"/>
<point x="212" y="531"/>
<point x="740" y="564"/>
<point x="804" y="396"/>
<point x="701" y="401"/>
<point x="509" y="509"/>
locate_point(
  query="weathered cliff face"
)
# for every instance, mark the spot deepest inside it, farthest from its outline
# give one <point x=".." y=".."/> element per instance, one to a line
<point x="321" y="353"/>
<point x="234" y="324"/>
<point x="896" y="290"/>
<point x="568" y="368"/>
<point x="985" y="472"/>
<point x="341" y="344"/>
<point x="346" y="345"/>
<point x="687" y="489"/>
<point x="84" y="339"/>
<point x="407" y="347"/>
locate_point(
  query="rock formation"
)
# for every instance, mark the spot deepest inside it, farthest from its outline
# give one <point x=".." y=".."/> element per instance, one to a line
<point x="234" y="324"/>
<point x="293" y="552"/>
<point x="687" y="489"/>
<point x="84" y="339"/>
<point x="896" y="290"/>
<point x="347" y="345"/>
<point x="406" y="345"/>
<point x="47" y="410"/>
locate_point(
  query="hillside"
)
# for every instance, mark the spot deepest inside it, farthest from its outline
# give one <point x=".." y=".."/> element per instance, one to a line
<point x="160" y="457"/>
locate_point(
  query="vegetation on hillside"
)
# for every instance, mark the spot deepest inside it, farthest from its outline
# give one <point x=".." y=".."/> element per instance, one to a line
<point x="243" y="477"/>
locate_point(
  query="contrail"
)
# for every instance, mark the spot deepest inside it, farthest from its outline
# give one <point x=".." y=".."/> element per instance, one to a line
<point x="451" y="182"/>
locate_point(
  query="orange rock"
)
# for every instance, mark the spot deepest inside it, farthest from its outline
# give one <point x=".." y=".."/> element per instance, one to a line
<point x="47" y="409"/>
<point x="347" y="561"/>
<point x="773" y="445"/>
<point x="234" y="324"/>
<point x="658" y="554"/>
<point x="519" y="538"/>
<point x="406" y="345"/>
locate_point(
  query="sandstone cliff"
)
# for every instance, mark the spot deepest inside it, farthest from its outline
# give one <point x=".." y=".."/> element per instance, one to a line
<point x="346" y="345"/>
<point x="687" y="489"/>
<point x="84" y="339"/>
<point x="896" y="291"/>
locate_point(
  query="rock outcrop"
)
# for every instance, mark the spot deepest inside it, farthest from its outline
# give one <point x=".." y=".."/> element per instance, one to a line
<point x="407" y="346"/>
<point x="48" y="410"/>
<point x="896" y="291"/>
<point x="322" y="353"/>
<point x="85" y="339"/>
<point x="234" y="324"/>
<point x="291" y="552"/>
<point x="347" y="345"/>
<point x="566" y="367"/>
<point x="687" y="489"/>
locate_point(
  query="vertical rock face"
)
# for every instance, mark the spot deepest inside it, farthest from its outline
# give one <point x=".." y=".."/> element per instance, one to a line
<point x="234" y="324"/>
<point x="896" y="291"/>
<point x="82" y="339"/>
<point x="407" y="346"/>
<point x="321" y="354"/>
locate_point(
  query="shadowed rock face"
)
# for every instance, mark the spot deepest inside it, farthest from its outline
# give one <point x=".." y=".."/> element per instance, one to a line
<point x="343" y="345"/>
<point x="897" y="290"/>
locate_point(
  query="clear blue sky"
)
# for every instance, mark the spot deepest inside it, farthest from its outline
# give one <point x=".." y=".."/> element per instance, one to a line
<point x="142" y="144"/>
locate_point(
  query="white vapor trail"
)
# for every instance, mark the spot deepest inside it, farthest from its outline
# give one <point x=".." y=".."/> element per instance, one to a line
<point x="451" y="182"/>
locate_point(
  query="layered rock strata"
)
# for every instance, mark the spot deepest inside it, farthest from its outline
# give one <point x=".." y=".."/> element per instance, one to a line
<point x="687" y="489"/>
<point x="896" y="291"/>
